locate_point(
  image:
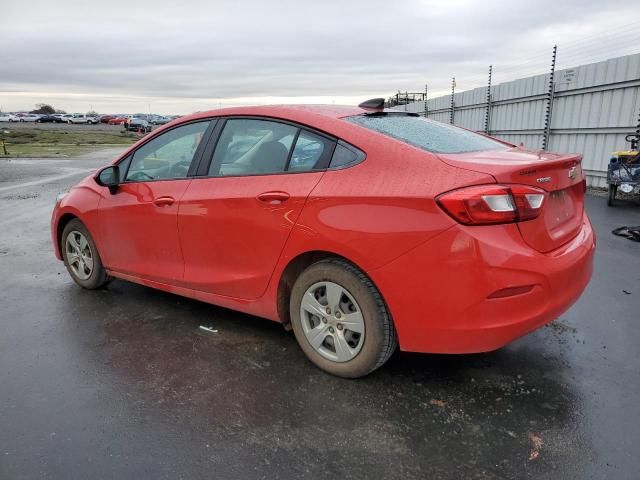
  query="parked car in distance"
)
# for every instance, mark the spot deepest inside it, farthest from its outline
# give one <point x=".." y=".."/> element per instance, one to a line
<point x="160" y="120"/>
<point x="27" y="117"/>
<point x="139" y="124"/>
<point x="50" y="119"/>
<point x="8" y="117"/>
<point x="360" y="228"/>
<point x="106" y="118"/>
<point x="116" y="121"/>
<point x="82" y="118"/>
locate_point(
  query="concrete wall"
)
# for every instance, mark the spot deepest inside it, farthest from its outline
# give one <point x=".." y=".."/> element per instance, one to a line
<point x="595" y="106"/>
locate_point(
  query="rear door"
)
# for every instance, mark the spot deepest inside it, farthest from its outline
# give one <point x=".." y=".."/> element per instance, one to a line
<point x="235" y="219"/>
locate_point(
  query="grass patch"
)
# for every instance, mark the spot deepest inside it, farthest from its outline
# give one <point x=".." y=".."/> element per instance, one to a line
<point x="54" y="143"/>
<point x="46" y="151"/>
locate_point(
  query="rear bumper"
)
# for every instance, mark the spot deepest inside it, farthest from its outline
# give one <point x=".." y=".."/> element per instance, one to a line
<point x="438" y="294"/>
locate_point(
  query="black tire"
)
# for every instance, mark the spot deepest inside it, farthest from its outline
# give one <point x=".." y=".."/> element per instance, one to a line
<point x="613" y="189"/>
<point x="98" y="276"/>
<point x="379" y="341"/>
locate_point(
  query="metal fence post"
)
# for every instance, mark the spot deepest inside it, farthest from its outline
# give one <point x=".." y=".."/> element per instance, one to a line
<point x="452" y="109"/>
<point x="550" y="94"/>
<point x="487" y="116"/>
<point x="426" y="104"/>
<point x="636" y="141"/>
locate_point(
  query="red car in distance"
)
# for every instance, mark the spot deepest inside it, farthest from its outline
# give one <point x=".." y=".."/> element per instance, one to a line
<point x="361" y="229"/>
<point x="116" y="121"/>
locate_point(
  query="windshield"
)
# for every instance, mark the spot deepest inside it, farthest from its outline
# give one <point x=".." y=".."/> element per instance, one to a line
<point x="427" y="134"/>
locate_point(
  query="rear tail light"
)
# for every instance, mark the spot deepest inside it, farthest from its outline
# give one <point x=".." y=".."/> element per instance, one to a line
<point x="491" y="204"/>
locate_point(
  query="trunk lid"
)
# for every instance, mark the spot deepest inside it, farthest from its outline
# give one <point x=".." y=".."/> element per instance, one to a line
<point x="559" y="175"/>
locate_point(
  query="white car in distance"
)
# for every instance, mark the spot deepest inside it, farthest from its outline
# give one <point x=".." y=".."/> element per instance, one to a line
<point x="8" y="117"/>
<point x="82" y="118"/>
<point x="28" y="117"/>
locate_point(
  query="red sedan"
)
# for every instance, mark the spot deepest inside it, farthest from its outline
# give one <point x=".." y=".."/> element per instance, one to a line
<point x="361" y="229"/>
<point x="116" y="121"/>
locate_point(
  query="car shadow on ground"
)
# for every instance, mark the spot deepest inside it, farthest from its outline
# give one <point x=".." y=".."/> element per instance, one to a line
<point x="250" y="378"/>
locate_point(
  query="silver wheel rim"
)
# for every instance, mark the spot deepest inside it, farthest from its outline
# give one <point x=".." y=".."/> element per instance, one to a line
<point x="332" y="321"/>
<point x="79" y="255"/>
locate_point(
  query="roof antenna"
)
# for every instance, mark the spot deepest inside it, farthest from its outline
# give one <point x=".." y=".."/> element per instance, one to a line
<point x="375" y="104"/>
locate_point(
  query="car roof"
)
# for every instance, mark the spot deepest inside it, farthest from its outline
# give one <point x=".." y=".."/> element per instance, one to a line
<point x="282" y="111"/>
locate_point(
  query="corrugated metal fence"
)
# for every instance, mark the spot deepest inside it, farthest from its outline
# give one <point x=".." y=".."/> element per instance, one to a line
<point x="595" y="106"/>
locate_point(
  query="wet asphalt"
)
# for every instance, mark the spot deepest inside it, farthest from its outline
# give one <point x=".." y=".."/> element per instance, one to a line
<point x="122" y="383"/>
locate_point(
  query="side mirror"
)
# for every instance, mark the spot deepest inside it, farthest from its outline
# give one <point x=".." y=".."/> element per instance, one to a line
<point x="109" y="177"/>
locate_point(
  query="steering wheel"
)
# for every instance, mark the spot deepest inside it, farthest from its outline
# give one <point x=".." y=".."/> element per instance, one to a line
<point x="180" y="169"/>
<point x="140" y="176"/>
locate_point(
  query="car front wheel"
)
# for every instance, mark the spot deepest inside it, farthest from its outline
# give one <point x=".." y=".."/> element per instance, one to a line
<point x="611" y="194"/>
<point x="81" y="256"/>
<point x="340" y="319"/>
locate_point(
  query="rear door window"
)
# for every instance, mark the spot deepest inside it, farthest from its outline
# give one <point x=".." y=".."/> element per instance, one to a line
<point x="252" y="147"/>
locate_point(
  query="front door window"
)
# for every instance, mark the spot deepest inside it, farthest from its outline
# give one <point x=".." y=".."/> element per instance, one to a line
<point x="167" y="156"/>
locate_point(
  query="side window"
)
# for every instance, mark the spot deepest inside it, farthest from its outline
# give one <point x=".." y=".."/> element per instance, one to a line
<point x="345" y="155"/>
<point x="252" y="147"/>
<point x="309" y="149"/>
<point x="123" y="165"/>
<point x="167" y="156"/>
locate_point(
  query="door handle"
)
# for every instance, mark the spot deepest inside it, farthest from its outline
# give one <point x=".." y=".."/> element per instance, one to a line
<point x="163" y="201"/>
<point x="273" y="198"/>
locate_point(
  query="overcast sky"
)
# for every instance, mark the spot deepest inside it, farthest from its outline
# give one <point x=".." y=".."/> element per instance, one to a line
<point x="184" y="56"/>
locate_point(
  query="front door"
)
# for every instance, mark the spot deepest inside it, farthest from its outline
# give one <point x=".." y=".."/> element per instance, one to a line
<point x="140" y="220"/>
<point x="234" y="223"/>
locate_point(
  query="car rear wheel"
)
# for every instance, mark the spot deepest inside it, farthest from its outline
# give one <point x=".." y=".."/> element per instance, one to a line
<point x="81" y="256"/>
<point x="340" y="319"/>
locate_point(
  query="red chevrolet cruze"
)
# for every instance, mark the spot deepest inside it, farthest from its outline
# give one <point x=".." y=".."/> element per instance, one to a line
<point x="360" y="228"/>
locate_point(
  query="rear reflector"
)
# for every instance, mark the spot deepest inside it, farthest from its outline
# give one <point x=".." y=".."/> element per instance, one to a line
<point x="492" y="204"/>
<point x="511" y="291"/>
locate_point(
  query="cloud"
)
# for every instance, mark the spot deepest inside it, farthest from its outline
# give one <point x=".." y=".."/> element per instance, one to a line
<point x="120" y="55"/>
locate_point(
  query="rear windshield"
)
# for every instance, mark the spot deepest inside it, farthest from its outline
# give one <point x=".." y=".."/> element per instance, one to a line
<point x="427" y="134"/>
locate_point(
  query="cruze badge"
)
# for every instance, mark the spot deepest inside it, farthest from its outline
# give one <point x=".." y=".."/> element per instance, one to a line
<point x="543" y="179"/>
<point x="573" y="172"/>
